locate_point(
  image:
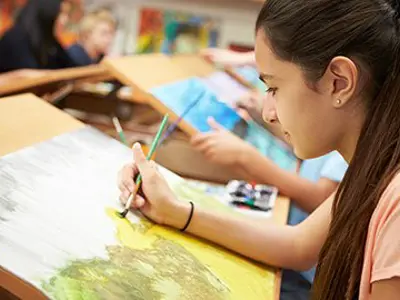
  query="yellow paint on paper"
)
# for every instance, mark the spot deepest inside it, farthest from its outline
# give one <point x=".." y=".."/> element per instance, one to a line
<point x="244" y="279"/>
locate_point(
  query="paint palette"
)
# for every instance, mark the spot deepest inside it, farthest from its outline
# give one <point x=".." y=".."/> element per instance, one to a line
<point x="256" y="197"/>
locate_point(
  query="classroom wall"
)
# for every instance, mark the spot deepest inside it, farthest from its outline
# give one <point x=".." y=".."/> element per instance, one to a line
<point x="237" y="18"/>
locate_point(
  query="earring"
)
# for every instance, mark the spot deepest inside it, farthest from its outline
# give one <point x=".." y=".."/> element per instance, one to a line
<point x="338" y="101"/>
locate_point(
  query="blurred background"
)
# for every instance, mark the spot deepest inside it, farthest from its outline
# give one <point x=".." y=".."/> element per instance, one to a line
<point x="146" y="26"/>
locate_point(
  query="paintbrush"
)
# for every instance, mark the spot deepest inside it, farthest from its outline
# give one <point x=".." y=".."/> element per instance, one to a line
<point x="138" y="181"/>
<point x="174" y="125"/>
<point x="119" y="130"/>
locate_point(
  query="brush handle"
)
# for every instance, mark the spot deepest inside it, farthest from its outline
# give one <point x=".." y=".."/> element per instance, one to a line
<point x="118" y="127"/>
<point x="149" y="155"/>
<point x="132" y="196"/>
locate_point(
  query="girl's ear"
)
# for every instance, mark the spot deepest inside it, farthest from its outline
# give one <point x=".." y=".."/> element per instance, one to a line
<point x="342" y="74"/>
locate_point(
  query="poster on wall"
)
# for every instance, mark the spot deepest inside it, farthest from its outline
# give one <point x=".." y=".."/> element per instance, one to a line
<point x="175" y="32"/>
<point x="9" y="10"/>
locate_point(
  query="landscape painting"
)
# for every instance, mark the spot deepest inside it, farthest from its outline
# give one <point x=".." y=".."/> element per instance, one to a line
<point x="60" y="232"/>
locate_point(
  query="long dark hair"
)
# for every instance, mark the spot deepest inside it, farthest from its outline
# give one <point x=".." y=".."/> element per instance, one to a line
<point x="37" y="18"/>
<point x="311" y="33"/>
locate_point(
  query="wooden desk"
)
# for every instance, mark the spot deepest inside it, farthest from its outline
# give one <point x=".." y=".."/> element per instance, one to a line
<point x="145" y="71"/>
<point x="56" y="76"/>
<point x="26" y="120"/>
<point x="194" y="64"/>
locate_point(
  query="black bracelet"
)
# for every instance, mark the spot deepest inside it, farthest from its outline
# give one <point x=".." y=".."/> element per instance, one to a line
<point x="190" y="217"/>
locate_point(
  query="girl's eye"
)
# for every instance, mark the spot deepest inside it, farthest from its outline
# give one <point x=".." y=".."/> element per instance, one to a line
<point x="271" y="91"/>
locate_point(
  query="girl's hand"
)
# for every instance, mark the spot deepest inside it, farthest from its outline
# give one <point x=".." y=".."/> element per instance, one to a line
<point x="221" y="146"/>
<point x="157" y="201"/>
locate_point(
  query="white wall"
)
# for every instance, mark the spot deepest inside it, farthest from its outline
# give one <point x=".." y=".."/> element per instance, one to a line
<point x="237" y="19"/>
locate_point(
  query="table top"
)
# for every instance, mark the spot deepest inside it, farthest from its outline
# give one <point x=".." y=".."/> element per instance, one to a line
<point x="25" y="120"/>
<point x="53" y="76"/>
<point x="145" y="71"/>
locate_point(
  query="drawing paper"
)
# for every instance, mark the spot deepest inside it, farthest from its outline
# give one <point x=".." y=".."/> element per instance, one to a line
<point x="59" y="231"/>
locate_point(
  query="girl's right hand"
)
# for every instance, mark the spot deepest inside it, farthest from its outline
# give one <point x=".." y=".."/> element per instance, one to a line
<point x="159" y="202"/>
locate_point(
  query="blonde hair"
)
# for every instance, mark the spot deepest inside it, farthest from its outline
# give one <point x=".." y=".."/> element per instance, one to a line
<point x="90" y="21"/>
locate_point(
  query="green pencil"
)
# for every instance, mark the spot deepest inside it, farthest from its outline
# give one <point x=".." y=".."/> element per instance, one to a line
<point x="118" y="128"/>
<point x="149" y="155"/>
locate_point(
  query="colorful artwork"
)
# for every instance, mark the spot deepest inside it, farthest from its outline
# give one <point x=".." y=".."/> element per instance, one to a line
<point x="225" y="87"/>
<point x="251" y="75"/>
<point x="9" y="9"/>
<point x="59" y="231"/>
<point x="179" y="95"/>
<point x="270" y="146"/>
<point x="174" y="32"/>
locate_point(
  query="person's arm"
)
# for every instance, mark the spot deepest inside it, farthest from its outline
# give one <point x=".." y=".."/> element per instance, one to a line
<point x="8" y="77"/>
<point x="278" y="245"/>
<point x="223" y="147"/>
<point x="386" y="289"/>
<point x="306" y="194"/>
<point x="228" y="57"/>
<point x="289" y="247"/>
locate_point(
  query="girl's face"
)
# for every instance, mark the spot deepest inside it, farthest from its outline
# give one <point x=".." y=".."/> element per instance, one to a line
<point x="310" y="117"/>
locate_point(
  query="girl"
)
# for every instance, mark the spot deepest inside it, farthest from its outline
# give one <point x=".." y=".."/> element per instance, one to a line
<point x="333" y="70"/>
<point x="31" y="43"/>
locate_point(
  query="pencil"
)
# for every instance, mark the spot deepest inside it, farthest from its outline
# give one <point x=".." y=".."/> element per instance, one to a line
<point x="119" y="130"/>
<point x="138" y="181"/>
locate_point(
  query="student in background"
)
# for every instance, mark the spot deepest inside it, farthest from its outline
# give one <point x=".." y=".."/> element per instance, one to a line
<point x="8" y="77"/>
<point x="223" y="147"/>
<point x="31" y="43"/>
<point x="251" y="103"/>
<point x="96" y="34"/>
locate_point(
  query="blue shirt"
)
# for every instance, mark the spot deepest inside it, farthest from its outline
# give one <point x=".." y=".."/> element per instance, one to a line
<point x="79" y="56"/>
<point x="331" y="166"/>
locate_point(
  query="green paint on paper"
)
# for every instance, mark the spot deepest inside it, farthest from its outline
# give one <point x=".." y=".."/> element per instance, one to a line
<point x="166" y="272"/>
<point x="156" y="263"/>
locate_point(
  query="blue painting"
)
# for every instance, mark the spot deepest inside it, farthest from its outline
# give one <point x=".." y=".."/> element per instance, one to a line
<point x="270" y="146"/>
<point x="251" y="75"/>
<point x="228" y="89"/>
<point x="194" y="99"/>
<point x="203" y="103"/>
